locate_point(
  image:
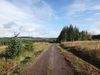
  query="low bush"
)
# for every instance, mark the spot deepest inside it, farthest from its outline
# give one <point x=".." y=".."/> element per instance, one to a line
<point x="14" y="48"/>
<point x="29" y="46"/>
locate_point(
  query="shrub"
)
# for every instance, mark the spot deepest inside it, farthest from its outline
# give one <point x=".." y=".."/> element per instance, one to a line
<point x="29" y="46"/>
<point x="14" y="48"/>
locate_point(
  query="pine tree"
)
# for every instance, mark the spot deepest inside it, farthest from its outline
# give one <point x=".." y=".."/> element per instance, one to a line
<point x="72" y="34"/>
<point x="14" y="48"/>
<point x="76" y="33"/>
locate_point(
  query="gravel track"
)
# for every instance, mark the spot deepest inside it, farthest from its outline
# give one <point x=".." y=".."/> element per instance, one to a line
<point x="51" y="62"/>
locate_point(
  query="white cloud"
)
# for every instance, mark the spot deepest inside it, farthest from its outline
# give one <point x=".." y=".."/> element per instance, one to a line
<point x="23" y="15"/>
<point x="89" y="9"/>
<point x="95" y="29"/>
<point x="44" y="10"/>
<point x="97" y="25"/>
<point x="30" y="30"/>
<point x="96" y="7"/>
<point x="10" y="25"/>
<point x="97" y="13"/>
<point x="88" y="20"/>
<point x="80" y="6"/>
<point x="76" y="6"/>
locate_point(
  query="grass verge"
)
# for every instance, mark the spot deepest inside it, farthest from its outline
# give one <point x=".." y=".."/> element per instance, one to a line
<point x="18" y="64"/>
<point x="80" y="66"/>
<point x="87" y="50"/>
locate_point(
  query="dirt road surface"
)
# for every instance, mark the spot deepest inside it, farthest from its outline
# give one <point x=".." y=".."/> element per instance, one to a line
<point x="51" y="62"/>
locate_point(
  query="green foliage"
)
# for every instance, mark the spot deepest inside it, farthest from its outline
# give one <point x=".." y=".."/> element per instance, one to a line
<point x="29" y="46"/>
<point x="72" y="34"/>
<point x="14" y="48"/>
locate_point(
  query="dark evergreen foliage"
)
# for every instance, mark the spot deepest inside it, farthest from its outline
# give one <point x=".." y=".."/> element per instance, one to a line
<point x="96" y="37"/>
<point x="14" y="48"/>
<point x="72" y="34"/>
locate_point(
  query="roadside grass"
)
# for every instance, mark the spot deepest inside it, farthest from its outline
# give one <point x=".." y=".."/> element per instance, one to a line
<point x="2" y="49"/>
<point x="80" y="67"/>
<point x="16" y="65"/>
<point x="87" y="50"/>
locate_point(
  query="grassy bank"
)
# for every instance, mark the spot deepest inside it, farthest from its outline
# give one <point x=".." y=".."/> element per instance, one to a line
<point x="80" y="66"/>
<point x="18" y="64"/>
<point x="87" y="50"/>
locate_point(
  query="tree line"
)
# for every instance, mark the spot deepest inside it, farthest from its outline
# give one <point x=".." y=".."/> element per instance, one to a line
<point x="72" y="33"/>
<point x="96" y="37"/>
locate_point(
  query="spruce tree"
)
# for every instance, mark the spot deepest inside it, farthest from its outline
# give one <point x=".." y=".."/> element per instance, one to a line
<point x="14" y="48"/>
<point x="76" y="33"/>
<point x="72" y="34"/>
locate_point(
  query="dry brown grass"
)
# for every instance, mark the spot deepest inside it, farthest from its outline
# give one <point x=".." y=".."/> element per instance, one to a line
<point x="41" y="46"/>
<point x="6" y="65"/>
<point x="87" y="50"/>
<point x="79" y="66"/>
<point x="90" y="45"/>
<point x="86" y="46"/>
<point x="2" y="49"/>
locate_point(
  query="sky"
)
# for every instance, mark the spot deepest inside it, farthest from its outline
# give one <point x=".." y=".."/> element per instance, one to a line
<point x="46" y="18"/>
